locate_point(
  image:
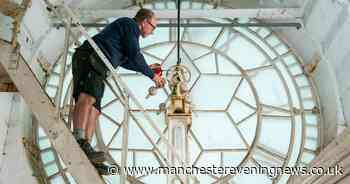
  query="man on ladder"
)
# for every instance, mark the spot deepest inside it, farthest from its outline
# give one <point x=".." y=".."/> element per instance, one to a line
<point x="119" y="41"/>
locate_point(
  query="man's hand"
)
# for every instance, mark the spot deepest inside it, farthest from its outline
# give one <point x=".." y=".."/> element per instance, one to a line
<point x="159" y="81"/>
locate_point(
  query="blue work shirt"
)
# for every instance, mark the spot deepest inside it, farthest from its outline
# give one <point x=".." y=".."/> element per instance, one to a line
<point x="119" y="41"/>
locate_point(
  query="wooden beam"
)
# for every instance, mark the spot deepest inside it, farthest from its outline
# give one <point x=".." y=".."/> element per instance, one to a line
<point x="44" y="110"/>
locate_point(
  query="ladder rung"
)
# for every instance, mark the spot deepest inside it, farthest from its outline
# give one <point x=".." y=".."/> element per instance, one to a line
<point x="298" y="75"/>
<point x="52" y="86"/>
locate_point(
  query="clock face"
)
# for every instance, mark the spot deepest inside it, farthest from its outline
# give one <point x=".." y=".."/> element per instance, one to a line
<point x="252" y="105"/>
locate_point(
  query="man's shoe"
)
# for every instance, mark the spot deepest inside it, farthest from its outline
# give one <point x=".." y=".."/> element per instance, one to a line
<point x="102" y="169"/>
<point x="94" y="156"/>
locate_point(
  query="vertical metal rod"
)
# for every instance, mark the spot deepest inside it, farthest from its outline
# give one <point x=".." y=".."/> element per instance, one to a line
<point x="125" y="142"/>
<point x="63" y="68"/>
<point x="178" y="31"/>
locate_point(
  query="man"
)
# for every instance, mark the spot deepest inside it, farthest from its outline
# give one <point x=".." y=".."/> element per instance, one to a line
<point x="119" y="41"/>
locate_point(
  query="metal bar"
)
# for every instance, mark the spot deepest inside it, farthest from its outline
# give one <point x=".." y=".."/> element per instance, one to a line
<point x="125" y="142"/>
<point x="205" y="25"/>
<point x="260" y="13"/>
<point x="63" y="69"/>
<point x="178" y="31"/>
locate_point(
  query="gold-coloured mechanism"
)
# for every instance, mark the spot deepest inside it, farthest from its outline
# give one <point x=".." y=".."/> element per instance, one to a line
<point x="179" y="119"/>
<point x="180" y="103"/>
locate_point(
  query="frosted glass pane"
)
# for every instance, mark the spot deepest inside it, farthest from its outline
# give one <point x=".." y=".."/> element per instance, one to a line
<point x="297" y="142"/>
<point x="270" y="88"/>
<point x="146" y="159"/>
<point x="203" y="127"/>
<point x="248" y="129"/>
<point x="206" y="64"/>
<point x="239" y="110"/>
<point x="205" y="36"/>
<point x="51" y="169"/>
<point x="194" y="149"/>
<point x="57" y="180"/>
<point x="43" y="144"/>
<point x="260" y="42"/>
<point x="47" y="157"/>
<point x="273" y="40"/>
<point x="289" y="82"/>
<point x="233" y="159"/>
<point x="53" y="80"/>
<point x="158" y="119"/>
<point x="213" y="92"/>
<point x="161" y="51"/>
<point x="115" y="111"/>
<point x="276" y="133"/>
<point x="244" y="53"/>
<point x="108" y="128"/>
<point x="226" y="66"/>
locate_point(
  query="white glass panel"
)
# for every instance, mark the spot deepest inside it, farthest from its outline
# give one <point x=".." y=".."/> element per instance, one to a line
<point x="51" y="169"/>
<point x="213" y="92"/>
<point x="311" y="131"/>
<point x="239" y="110"/>
<point x="194" y="51"/>
<point x="47" y="157"/>
<point x="295" y="70"/>
<point x="276" y="133"/>
<point x="108" y="96"/>
<point x="289" y="82"/>
<point x="108" y="128"/>
<point x="264" y="32"/>
<point x="146" y="159"/>
<point x="43" y="144"/>
<point x="158" y="119"/>
<point x="205" y="36"/>
<point x="282" y="49"/>
<point x="307" y="157"/>
<point x="310" y="144"/>
<point x="245" y="92"/>
<point x="206" y="64"/>
<point x="161" y="51"/>
<point x="70" y="178"/>
<point x="194" y="149"/>
<point x="273" y="40"/>
<point x="233" y="159"/>
<point x="245" y="53"/>
<point x="309" y="104"/>
<point x="310" y="119"/>
<point x="248" y="128"/>
<point x="226" y="66"/>
<point x="270" y="88"/>
<point x="206" y="127"/>
<point x="57" y="180"/>
<point x="51" y="91"/>
<point x="53" y="80"/>
<point x="258" y="41"/>
<point x="297" y="142"/>
<point x="115" y="111"/>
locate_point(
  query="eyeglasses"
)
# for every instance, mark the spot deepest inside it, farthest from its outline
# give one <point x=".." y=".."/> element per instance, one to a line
<point x="153" y="26"/>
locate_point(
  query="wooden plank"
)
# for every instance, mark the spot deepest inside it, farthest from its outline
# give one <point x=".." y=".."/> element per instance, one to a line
<point x="44" y="110"/>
